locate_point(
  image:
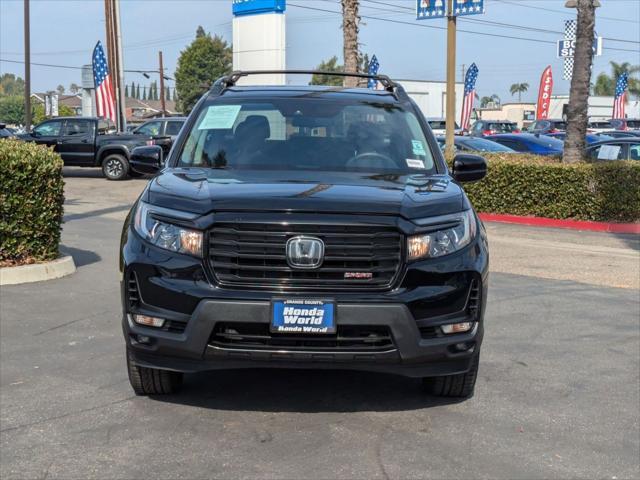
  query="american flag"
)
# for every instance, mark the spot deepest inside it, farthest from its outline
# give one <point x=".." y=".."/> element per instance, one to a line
<point x="469" y="95"/>
<point x="373" y="70"/>
<point x="105" y="104"/>
<point x="618" y="101"/>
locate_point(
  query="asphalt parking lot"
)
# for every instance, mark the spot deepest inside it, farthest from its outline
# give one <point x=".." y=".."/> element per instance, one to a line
<point x="558" y="393"/>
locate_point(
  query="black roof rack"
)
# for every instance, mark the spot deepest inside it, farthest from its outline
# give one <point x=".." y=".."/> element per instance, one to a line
<point x="231" y="79"/>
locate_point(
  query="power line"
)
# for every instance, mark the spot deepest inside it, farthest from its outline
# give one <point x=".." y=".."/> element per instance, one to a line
<point x="598" y="17"/>
<point x="69" y="66"/>
<point x="495" y="35"/>
<point x="495" y="23"/>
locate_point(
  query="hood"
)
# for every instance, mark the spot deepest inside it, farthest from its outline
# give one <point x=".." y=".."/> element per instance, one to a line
<point x="204" y="190"/>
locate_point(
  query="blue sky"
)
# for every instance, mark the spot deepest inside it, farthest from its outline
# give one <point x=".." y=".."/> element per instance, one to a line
<point x="64" y="33"/>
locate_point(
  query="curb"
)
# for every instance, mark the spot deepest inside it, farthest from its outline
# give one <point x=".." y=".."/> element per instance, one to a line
<point x="570" y="224"/>
<point x="37" y="272"/>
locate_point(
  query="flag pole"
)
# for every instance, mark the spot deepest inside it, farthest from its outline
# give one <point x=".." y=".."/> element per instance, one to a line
<point x="451" y="80"/>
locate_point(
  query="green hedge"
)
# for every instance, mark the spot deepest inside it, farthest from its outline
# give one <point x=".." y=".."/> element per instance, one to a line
<point x="31" y="199"/>
<point x="543" y="187"/>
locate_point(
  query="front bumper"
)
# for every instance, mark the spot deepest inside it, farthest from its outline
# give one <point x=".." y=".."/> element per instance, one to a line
<point x="410" y="355"/>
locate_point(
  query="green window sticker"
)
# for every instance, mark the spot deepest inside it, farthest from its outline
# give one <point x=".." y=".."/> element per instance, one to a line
<point x="219" y="117"/>
<point x="418" y="148"/>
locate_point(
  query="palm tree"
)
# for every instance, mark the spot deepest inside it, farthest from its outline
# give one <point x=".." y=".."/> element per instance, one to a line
<point x="606" y="84"/>
<point x="574" y="142"/>
<point x="519" y="88"/>
<point x="485" y="101"/>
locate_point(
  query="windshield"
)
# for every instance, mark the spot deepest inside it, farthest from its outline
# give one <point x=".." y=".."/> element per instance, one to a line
<point x="307" y="134"/>
<point x="483" y="145"/>
<point x="441" y="124"/>
<point x="503" y="127"/>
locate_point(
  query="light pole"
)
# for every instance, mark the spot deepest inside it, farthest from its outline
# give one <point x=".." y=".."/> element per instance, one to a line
<point x="451" y="82"/>
<point x="162" y="92"/>
<point x="27" y="68"/>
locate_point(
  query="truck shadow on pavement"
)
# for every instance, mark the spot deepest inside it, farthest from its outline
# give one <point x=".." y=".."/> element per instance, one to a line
<point x="80" y="257"/>
<point x="303" y="391"/>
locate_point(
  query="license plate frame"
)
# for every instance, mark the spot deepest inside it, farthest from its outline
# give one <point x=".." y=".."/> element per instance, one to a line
<point x="305" y="323"/>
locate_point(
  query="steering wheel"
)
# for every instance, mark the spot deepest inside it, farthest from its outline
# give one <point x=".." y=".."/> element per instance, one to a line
<point x="371" y="159"/>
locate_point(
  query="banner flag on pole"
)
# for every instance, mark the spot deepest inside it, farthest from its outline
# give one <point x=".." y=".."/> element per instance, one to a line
<point x="467" y="7"/>
<point x="544" y="94"/>
<point x="469" y="95"/>
<point x="373" y="70"/>
<point x="621" y="96"/>
<point x="105" y="102"/>
<point x="426" y="9"/>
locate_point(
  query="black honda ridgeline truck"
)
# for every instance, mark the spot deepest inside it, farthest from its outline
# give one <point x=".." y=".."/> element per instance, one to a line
<point x="304" y="227"/>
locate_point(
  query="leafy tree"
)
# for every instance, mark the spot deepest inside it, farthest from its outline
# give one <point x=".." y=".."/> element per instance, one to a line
<point x="519" y="88"/>
<point x="144" y="93"/>
<point x="330" y="65"/>
<point x="126" y="91"/>
<point x="39" y="116"/>
<point x="200" y="64"/>
<point x="11" y="85"/>
<point x="132" y="91"/>
<point x="153" y="92"/>
<point x="74" y="88"/>
<point x="138" y="91"/>
<point x="167" y="93"/>
<point x="12" y="110"/>
<point x="60" y="90"/>
<point x="606" y="84"/>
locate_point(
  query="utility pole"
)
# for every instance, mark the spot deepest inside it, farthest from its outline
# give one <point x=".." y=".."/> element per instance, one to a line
<point x="120" y="66"/>
<point x="451" y="80"/>
<point x="577" y="111"/>
<point x="162" y="92"/>
<point x="350" y="20"/>
<point x="114" y="58"/>
<point x="27" y="68"/>
<point x="463" y="72"/>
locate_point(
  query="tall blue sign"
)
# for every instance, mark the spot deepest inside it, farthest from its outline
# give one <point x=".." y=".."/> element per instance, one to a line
<point x="430" y="9"/>
<point x="253" y="7"/>
<point x="467" y="7"/>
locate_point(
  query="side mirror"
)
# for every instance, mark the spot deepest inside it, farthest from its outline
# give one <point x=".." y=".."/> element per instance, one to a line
<point x="469" y="168"/>
<point x="146" y="159"/>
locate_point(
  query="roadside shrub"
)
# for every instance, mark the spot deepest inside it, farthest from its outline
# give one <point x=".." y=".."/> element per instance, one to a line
<point x="544" y="187"/>
<point x="31" y="199"/>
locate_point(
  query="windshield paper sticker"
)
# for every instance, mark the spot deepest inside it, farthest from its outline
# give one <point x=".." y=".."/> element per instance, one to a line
<point x="219" y="117"/>
<point x="609" y="152"/>
<point x="414" y="163"/>
<point x="418" y="148"/>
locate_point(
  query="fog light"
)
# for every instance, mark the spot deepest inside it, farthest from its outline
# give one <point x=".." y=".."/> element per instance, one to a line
<point x="148" y="321"/>
<point x="456" y="327"/>
<point x="143" y="339"/>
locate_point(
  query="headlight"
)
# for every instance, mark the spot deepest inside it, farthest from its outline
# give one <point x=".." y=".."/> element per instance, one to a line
<point x="166" y="235"/>
<point x="446" y="241"/>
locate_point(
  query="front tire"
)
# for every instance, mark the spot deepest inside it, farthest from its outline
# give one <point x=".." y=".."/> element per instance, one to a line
<point x="115" y="167"/>
<point x="459" y="385"/>
<point x="151" y="381"/>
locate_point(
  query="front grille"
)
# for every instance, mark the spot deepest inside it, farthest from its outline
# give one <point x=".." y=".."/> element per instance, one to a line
<point x="257" y="336"/>
<point x="254" y="254"/>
